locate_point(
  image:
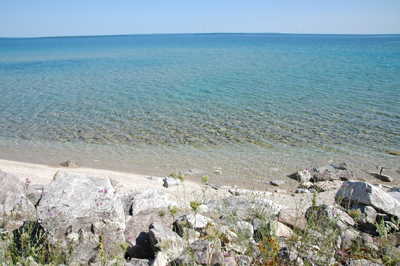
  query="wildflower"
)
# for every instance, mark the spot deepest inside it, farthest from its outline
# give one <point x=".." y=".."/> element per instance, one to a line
<point x="226" y="260"/>
<point x="202" y="208"/>
<point x="334" y="213"/>
<point x="115" y="191"/>
<point x="346" y="184"/>
<point x="101" y="191"/>
<point x="43" y="194"/>
<point x="50" y="214"/>
<point x="249" y="170"/>
<point x="334" y="203"/>
<point x="95" y="199"/>
<point x="195" y="204"/>
<point x="205" y="178"/>
<point x="324" y="173"/>
<point x="105" y="215"/>
<point x="97" y="204"/>
<point x="340" y="253"/>
<point x="107" y="240"/>
<point x="217" y="172"/>
<point x="105" y="191"/>
<point x="20" y="201"/>
<point x="173" y="209"/>
<point x="22" y="197"/>
<point x="307" y="168"/>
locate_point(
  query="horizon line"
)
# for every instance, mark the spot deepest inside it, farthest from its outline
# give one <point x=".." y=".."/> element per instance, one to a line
<point x="200" y="33"/>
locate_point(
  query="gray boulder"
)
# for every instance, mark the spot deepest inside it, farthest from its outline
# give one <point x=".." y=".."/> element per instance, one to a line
<point x="149" y="199"/>
<point x="13" y="198"/>
<point x="82" y="211"/>
<point x="354" y="192"/>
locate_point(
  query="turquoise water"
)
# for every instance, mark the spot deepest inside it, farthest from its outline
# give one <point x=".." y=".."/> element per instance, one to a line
<point x="155" y="103"/>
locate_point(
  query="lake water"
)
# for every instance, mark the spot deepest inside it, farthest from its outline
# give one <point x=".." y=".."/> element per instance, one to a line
<point x="158" y="103"/>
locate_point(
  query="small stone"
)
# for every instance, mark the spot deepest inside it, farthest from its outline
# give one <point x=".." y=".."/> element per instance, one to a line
<point x="384" y="178"/>
<point x="302" y="190"/>
<point x="301" y="176"/>
<point x="340" y="166"/>
<point x="69" y="163"/>
<point x="170" y="181"/>
<point x="278" y="182"/>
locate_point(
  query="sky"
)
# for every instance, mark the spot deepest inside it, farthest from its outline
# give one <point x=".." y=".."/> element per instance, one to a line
<point x="39" y="18"/>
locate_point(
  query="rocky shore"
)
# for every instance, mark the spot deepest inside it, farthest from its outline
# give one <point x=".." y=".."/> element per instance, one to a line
<point x="331" y="217"/>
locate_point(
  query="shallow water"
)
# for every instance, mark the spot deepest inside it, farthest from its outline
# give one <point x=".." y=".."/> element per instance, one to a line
<point x="158" y="103"/>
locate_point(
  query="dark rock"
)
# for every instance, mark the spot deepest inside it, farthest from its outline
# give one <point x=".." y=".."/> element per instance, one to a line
<point x="278" y="182"/>
<point x="142" y="248"/>
<point x="384" y="178"/>
<point x="69" y="163"/>
<point x="301" y="176"/>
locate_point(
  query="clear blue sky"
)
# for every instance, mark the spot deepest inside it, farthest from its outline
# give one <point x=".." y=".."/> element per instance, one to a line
<point x="33" y="18"/>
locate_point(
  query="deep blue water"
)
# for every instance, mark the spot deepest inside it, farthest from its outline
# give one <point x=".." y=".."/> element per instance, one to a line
<point x="234" y="101"/>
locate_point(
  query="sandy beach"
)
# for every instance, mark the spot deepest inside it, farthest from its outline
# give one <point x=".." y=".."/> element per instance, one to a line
<point x="127" y="183"/>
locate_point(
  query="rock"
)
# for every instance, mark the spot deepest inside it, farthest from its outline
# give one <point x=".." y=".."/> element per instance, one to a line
<point x="267" y="207"/>
<point x="170" y="181"/>
<point x="280" y="230"/>
<point x="136" y="262"/>
<point x="205" y="252"/>
<point x="159" y="260"/>
<point x="156" y="179"/>
<point x="326" y="213"/>
<point x="141" y="247"/>
<point x="301" y="176"/>
<point x="149" y="199"/>
<point x="328" y="185"/>
<point x="69" y="163"/>
<point x="245" y="229"/>
<point x="345" y="175"/>
<point x="361" y="262"/>
<point x="366" y="194"/>
<point x="367" y="218"/>
<point x="13" y="199"/>
<point x="306" y="185"/>
<point x="394" y="194"/>
<point x="384" y="178"/>
<point x="292" y="218"/>
<point x="349" y="237"/>
<point x="82" y="210"/>
<point x="302" y="190"/>
<point x="197" y="221"/>
<point x="165" y="240"/>
<point x="278" y="182"/>
<point x="341" y="166"/>
<point x="318" y="177"/>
